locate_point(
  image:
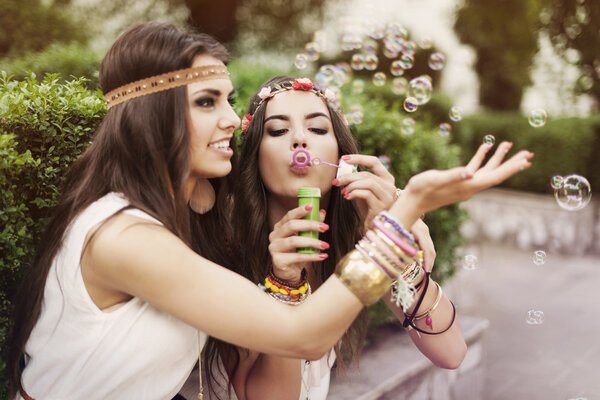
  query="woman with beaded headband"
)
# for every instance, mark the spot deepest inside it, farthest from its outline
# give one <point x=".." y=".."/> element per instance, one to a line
<point x="122" y="292"/>
<point x="288" y="117"/>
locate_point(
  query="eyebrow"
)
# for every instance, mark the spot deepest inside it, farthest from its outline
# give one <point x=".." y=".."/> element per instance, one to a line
<point x="307" y="116"/>
<point x="214" y="92"/>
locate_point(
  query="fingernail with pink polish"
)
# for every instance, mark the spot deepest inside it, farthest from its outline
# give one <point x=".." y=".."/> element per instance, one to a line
<point x="346" y="157"/>
<point x="335" y="182"/>
<point x="308" y="207"/>
<point x="323" y="227"/>
<point x="324" y="245"/>
<point x="323" y="255"/>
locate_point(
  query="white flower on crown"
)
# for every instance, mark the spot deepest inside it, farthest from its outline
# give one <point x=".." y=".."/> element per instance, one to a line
<point x="264" y="93"/>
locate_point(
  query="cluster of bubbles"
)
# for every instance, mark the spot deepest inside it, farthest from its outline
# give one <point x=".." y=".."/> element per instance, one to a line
<point x="571" y="192"/>
<point x="470" y="262"/>
<point x="535" y="317"/>
<point x="539" y="257"/>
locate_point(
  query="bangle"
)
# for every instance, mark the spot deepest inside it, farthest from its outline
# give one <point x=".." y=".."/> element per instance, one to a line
<point x="365" y="279"/>
<point x="289" y="300"/>
<point x="427" y="314"/>
<point x="440" y="332"/>
<point x="389" y="218"/>
<point x="368" y="250"/>
<point x="397" y="251"/>
<point x="408" y="321"/>
<point x="406" y="247"/>
<point x="286" y="283"/>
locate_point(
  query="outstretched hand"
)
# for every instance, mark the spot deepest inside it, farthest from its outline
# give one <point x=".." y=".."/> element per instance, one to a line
<point x="434" y="189"/>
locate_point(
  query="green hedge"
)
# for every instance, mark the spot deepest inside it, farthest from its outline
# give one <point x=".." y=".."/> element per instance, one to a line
<point x="562" y="146"/>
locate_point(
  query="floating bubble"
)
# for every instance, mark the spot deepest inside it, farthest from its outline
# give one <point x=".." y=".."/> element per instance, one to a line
<point x="379" y="79"/>
<point x="410" y="47"/>
<point x="535" y="317"/>
<point x="420" y="88"/>
<point x="537" y="118"/>
<point x="320" y="37"/>
<point x="574" y="194"/>
<point x="407" y="61"/>
<point x="408" y="126"/>
<point x="386" y="161"/>
<point x="410" y="104"/>
<point x="556" y="182"/>
<point x="351" y="41"/>
<point x="489" y="139"/>
<point x="370" y="46"/>
<point x="358" y="62"/>
<point x="425" y="43"/>
<point x="301" y="61"/>
<point x="358" y="86"/>
<point x="470" y="262"/>
<point x="539" y="257"/>
<point x="371" y="62"/>
<point x="396" y="68"/>
<point x="437" y="61"/>
<point x="395" y="29"/>
<point x="376" y="29"/>
<point x="455" y="113"/>
<point x="312" y="50"/>
<point x="445" y="129"/>
<point x="390" y="52"/>
<point x="399" y="85"/>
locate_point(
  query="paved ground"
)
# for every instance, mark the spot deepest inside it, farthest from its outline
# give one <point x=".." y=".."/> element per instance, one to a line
<point x="559" y="359"/>
<point x="556" y="360"/>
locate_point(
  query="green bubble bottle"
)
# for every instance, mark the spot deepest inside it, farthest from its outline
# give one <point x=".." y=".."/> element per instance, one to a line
<point x="309" y="195"/>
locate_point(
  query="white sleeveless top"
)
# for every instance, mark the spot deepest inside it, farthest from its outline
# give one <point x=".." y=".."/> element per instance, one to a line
<point x="77" y="351"/>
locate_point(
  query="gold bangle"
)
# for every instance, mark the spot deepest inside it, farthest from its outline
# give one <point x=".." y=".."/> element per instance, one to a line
<point x="433" y="306"/>
<point x="363" y="277"/>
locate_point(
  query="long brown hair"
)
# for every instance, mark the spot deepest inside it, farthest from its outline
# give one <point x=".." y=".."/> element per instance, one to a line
<point x="140" y="149"/>
<point x="251" y="224"/>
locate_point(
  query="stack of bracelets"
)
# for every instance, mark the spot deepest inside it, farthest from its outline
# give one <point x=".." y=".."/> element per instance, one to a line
<point x="284" y="291"/>
<point x="388" y="255"/>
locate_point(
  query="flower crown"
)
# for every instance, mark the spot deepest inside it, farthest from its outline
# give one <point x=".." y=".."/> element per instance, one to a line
<point x="304" y="84"/>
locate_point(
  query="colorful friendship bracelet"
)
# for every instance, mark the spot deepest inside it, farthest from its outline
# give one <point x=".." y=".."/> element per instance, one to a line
<point x="385" y="215"/>
<point x="407" y="248"/>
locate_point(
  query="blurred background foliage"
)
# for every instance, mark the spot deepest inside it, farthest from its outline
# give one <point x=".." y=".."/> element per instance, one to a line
<point x="47" y="120"/>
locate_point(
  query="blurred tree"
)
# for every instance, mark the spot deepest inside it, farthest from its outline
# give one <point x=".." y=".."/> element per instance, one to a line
<point x="504" y="34"/>
<point x="272" y="24"/>
<point x="574" y="29"/>
<point x="34" y="24"/>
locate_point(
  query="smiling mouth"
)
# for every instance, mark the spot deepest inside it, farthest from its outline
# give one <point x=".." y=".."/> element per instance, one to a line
<point x="220" y="145"/>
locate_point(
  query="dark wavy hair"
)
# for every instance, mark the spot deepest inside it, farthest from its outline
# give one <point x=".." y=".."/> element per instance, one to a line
<point x="251" y="225"/>
<point x="140" y="149"/>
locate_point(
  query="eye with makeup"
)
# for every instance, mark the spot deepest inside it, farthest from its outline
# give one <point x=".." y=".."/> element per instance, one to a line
<point x="205" y="102"/>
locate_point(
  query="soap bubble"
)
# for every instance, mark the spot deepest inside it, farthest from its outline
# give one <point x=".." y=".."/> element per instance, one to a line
<point x="437" y="61"/>
<point x="410" y="104"/>
<point x="455" y="113"/>
<point x="399" y="85"/>
<point x="379" y="79"/>
<point x="537" y="118"/>
<point x="371" y="61"/>
<point x="535" y="317"/>
<point x="370" y="46"/>
<point x="396" y="68"/>
<point x="358" y="62"/>
<point x="420" y="88"/>
<point x="489" y="139"/>
<point x="358" y="86"/>
<point x="408" y="126"/>
<point x="312" y="50"/>
<point x="351" y="41"/>
<point x="556" y="182"/>
<point x="574" y="194"/>
<point x="407" y="61"/>
<point x="539" y="257"/>
<point x="386" y="161"/>
<point x="444" y="129"/>
<point x="425" y="43"/>
<point x="301" y="61"/>
<point x="470" y="262"/>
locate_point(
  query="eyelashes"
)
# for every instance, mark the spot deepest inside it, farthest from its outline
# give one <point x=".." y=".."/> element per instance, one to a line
<point x="210" y="101"/>
<point x="279" y="132"/>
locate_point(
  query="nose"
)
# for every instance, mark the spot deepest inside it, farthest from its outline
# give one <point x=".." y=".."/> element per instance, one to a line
<point x="299" y="139"/>
<point x="230" y="120"/>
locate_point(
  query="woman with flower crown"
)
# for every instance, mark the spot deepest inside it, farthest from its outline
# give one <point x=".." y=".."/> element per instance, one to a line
<point x="290" y="117"/>
<point x="122" y="292"/>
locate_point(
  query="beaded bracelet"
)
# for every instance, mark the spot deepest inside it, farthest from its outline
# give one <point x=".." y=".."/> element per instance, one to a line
<point x="288" y="299"/>
<point x="386" y="216"/>
<point x="285" y="283"/>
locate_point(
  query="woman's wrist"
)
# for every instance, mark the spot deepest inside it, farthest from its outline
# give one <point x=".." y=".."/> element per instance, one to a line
<point x="406" y="209"/>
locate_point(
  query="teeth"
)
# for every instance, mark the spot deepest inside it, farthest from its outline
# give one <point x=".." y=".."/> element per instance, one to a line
<point x="220" y="145"/>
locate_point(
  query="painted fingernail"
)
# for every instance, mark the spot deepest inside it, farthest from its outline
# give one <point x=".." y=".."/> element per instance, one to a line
<point x="335" y="182"/>
<point x="323" y="227"/>
<point x="346" y="157"/>
<point x="343" y="191"/>
<point x="346" y="195"/>
<point x="323" y="255"/>
<point x="308" y="207"/>
<point x="324" y="245"/>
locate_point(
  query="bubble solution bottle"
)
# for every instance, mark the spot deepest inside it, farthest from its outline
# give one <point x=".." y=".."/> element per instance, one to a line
<point x="309" y="195"/>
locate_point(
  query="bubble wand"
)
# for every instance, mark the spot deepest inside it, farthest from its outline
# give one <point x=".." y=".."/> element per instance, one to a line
<point x="301" y="158"/>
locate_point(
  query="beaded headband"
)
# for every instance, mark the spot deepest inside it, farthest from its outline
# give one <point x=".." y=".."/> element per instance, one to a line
<point x="304" y="84"/>
<point x="165" y="81"/>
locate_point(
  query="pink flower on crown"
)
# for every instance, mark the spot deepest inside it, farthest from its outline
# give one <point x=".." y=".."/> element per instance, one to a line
<point x="246" y="123"/>
<point x="302" y="84"/>
<point x="329" y="95"/>
<point x="264" y="93"/>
